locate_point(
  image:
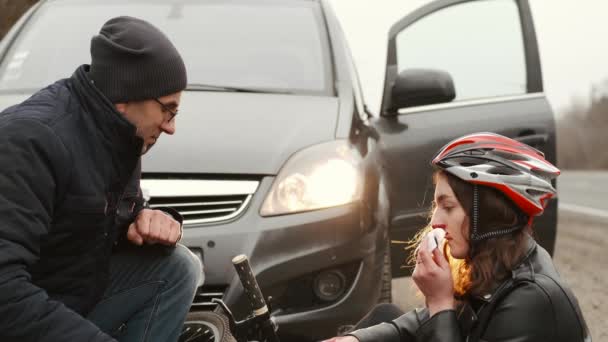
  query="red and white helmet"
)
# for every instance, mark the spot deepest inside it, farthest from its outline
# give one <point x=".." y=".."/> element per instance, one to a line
<point x="515" y="169"/>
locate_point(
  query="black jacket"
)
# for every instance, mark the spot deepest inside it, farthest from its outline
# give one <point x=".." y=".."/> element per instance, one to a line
<point x="69" y="187"/>
<point x="531" y="306"/>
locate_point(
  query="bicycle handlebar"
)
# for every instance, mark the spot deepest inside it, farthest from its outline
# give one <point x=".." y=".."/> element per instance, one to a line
<point x="250" y="284"/>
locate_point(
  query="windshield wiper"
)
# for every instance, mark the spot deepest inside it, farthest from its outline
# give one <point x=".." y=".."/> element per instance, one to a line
<point x="210" y="87"/>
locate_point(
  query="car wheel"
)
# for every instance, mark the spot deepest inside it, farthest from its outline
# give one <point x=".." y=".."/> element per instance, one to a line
<point x="387" y="285"/>
<point x="206" y="326"/>
<point x="386" y="295"/>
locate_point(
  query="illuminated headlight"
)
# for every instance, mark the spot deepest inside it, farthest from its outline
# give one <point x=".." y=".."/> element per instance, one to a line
<point x="321" y="176"/>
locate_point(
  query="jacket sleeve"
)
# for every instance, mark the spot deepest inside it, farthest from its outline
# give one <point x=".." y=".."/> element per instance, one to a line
<point x="130" y="207"/>
<point x="131" y="204"/>
<point x="33" y="168"/>
<point x="442" y="327"/>
<point x="415" y="326"/>
<point x="402" y="329"/>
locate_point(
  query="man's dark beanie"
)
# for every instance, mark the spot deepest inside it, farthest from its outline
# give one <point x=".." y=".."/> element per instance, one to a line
<point x="132" y="60"/>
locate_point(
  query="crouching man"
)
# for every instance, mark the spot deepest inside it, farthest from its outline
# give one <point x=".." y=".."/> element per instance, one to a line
<point x="81" y="257"/>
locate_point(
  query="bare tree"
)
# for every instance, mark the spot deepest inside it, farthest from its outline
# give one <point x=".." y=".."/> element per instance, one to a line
<point x="581" y="133"/>
<point x="11" y="11"/>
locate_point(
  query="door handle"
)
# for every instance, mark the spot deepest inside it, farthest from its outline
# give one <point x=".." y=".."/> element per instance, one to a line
<point x="534" y="140"/>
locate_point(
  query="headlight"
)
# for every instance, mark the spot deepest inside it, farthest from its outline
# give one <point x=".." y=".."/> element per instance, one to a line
<point x="320" y="176"/>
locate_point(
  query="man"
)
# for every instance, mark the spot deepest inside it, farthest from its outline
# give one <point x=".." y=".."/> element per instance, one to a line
<point x="81" y="258"/>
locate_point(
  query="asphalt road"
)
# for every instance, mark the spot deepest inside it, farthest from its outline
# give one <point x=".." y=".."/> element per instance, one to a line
<point x="581" y="254"/>
<point x="584" y="193"/>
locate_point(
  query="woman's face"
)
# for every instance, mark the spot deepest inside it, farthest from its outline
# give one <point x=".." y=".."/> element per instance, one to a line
<point x="451" y="216"/>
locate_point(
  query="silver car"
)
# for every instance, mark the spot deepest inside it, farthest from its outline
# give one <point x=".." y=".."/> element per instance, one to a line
<point x="276" y="155"/>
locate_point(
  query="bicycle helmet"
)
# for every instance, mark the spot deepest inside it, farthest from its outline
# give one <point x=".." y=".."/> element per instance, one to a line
<point x="515" y="169"/>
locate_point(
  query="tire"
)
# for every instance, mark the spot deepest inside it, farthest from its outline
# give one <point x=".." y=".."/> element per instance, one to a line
<point x="386" y="295"/>
<point x="206" y="326"/>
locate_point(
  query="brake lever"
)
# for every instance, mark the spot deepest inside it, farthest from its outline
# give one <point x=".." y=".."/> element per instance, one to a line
<point x="227" y="312"/>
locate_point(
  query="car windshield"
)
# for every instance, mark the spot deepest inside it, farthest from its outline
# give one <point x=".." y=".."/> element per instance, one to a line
<point x="271" y="45"/>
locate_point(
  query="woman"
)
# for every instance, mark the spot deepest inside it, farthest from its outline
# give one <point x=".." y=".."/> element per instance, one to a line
<point x="490" y="281"/>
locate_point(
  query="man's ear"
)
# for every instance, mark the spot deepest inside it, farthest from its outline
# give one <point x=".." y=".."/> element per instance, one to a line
<point x="121" y="107"/>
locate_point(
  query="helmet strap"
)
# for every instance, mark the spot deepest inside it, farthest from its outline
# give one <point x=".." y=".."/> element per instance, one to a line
<point x="475" y="237"/>
<point x="475" y="220"/>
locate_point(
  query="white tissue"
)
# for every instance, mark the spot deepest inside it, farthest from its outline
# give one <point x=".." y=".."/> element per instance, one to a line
<point x="435" y="238"/>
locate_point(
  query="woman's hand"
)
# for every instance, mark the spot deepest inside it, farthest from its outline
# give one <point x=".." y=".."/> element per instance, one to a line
<point x="433" y="277"/>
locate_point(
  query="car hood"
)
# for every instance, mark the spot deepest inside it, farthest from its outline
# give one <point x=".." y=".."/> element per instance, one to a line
<point x="241" y="133"/>
<point x="236" y="133"/>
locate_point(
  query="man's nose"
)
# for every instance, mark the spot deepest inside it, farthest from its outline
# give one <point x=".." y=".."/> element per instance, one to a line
<point x="169" y="127"/>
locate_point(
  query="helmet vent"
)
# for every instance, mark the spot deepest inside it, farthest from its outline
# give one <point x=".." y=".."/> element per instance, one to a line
<point x="503" y="170"/>
<point x="468" y="162"/>
<point x="475" y="152"/>
<point x="509" y="155"/>
<point x="535" y="193"/>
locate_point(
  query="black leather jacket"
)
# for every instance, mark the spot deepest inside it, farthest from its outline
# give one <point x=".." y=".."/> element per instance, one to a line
<point x="532" y="306"/>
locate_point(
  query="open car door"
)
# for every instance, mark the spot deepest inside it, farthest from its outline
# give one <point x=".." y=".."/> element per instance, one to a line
<point x="456" y="67"/>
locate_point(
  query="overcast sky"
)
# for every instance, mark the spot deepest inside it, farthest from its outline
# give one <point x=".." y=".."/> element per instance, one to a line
<point x="572" y="35"/>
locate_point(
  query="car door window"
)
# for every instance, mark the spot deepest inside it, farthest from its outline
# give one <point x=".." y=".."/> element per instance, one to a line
<point x="480" y="44"/>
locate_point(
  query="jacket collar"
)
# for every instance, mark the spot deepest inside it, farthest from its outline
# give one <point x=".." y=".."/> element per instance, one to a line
<point x="522" y="270"/>
<point x="472" y="311"/>
<point x="112" y="128"/>
<point x="112" y="125"/>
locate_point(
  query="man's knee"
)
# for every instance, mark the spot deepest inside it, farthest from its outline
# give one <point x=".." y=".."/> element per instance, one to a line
<point x="186" y="266"/>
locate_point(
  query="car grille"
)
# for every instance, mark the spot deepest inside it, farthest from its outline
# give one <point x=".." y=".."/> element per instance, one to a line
<point x="201" y="209"/>
<point x="200" y="201"/>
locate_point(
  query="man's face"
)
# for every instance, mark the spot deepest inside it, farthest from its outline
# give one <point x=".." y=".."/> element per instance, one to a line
<point x="152" y="117"/>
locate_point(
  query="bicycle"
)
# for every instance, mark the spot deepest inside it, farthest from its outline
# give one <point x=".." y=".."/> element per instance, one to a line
<point x="217" y="327"/>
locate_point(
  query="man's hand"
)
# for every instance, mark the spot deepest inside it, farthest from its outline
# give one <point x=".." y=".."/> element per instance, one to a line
<point x="154" y="226"/>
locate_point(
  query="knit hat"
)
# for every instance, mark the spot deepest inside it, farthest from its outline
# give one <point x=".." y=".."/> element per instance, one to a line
<point x="132" y="60"/>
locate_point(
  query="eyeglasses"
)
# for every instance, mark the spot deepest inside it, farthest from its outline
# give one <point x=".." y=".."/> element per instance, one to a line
<point x="172" y="113"/>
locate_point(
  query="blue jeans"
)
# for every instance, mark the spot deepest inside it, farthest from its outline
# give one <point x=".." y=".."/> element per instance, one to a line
<point x="149" y="295"/>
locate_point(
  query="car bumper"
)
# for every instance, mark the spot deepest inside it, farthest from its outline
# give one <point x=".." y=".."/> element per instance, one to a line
<point x="286" y="251"/>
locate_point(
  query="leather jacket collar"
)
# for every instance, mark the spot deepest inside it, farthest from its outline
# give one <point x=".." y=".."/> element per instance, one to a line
<point x="522" y="270"/>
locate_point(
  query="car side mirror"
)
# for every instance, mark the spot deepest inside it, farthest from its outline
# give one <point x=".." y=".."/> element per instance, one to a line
<point x="418" y="87"/>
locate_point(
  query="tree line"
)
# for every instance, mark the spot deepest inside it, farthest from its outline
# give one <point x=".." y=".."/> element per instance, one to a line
<point x="11" y="11"/>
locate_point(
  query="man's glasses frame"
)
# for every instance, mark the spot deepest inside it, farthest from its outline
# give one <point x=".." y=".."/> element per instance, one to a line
<point x="172" y="113"/>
